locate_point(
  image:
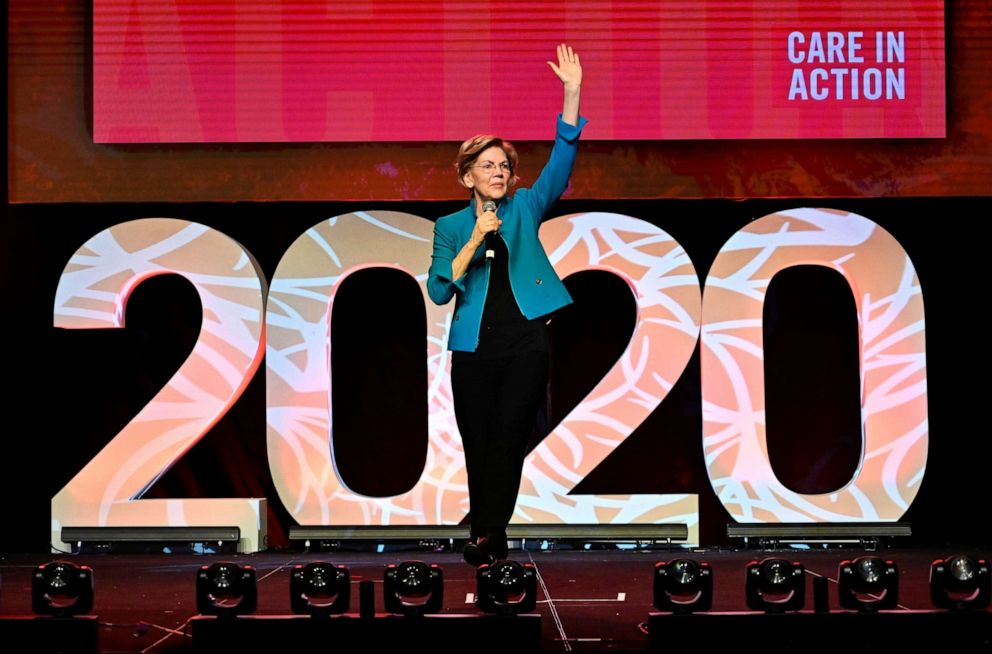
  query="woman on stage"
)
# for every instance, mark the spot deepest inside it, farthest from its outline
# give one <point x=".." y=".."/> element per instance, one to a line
<point x="488" y="257"/>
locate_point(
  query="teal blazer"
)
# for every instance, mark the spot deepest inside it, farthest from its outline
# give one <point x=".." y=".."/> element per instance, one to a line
<point x="535" y="285"/>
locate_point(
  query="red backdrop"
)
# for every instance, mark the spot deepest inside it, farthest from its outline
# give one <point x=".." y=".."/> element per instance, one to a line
<point x="53" y="156"/>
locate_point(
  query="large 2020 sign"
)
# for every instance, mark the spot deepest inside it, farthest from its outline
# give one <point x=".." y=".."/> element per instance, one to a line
<point x="291" y="322"/>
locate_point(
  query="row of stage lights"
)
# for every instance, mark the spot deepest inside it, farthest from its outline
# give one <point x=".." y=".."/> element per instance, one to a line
<point x="414" y="588"/>
<point x="410" y="588"/>
<point x="866" y="584"/>
<point x="319" y="589"/>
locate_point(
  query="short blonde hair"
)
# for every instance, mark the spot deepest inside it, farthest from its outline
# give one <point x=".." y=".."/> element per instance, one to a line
<point x="470" y="150"/>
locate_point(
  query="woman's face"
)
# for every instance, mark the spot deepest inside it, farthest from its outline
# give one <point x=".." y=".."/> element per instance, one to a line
<point x="489" y="176"/>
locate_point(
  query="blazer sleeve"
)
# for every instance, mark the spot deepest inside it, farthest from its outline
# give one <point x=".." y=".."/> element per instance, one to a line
<point x="440" y="287"/>
<point x="553" y="180"/>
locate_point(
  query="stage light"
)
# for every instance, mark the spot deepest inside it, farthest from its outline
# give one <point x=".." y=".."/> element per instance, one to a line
<point x="62" y="589"/>
<point x="320" y="589"/>
<point x="959" y="583"/>
<point x="506" y="587"/>
<point x="683" y="586"/>
<point x="868" y="583"/>
<point x="775" y="585"/>
<point x="226" y="589"/>
<point x="413" y="588"/>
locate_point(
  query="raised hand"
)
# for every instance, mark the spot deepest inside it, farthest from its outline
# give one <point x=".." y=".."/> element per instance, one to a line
<point x="568" y="70"/>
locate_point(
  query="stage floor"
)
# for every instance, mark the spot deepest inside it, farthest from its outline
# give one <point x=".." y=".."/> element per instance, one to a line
<point x="589" y="600"/>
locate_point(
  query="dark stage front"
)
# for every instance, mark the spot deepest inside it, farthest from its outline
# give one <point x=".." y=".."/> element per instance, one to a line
<point x="587" y="600"/>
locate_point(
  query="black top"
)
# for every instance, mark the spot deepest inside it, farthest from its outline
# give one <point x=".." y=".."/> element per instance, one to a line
<point x="504" y="331"/>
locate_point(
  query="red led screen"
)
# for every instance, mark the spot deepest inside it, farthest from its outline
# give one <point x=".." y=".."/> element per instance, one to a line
<point x="386" y="70"/>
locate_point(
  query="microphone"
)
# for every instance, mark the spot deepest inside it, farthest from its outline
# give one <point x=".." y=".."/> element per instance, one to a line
<point x="489" y="205"/>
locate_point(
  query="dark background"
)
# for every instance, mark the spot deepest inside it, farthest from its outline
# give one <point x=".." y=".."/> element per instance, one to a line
<point x="67" y="392"/>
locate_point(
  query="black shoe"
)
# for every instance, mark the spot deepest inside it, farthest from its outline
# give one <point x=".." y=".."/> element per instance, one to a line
<point x="496" y="544"/>
<point x="476" y="554"/>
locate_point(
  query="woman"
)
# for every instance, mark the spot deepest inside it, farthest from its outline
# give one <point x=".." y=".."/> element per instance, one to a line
<point x="489" y="258"/>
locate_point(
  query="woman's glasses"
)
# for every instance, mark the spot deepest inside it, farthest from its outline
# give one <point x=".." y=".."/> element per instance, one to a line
<point x="489" y="167"/>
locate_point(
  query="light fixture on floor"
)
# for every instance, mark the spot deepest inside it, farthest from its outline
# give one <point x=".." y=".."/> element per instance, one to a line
<point x="62" y="589"/>
<point x="413" y="588"/>
<point x="683" y="586"/>
<point x="506" y="587"/>
<point x="775" y="585"/>
<point x="320" y="589"/>
<point x="868" y="583"/>
<point x="226" y="589"/>
<point x="959" y="583"/>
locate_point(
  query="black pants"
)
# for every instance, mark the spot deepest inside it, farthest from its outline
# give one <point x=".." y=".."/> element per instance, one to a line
<point x="496" y="404"/>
